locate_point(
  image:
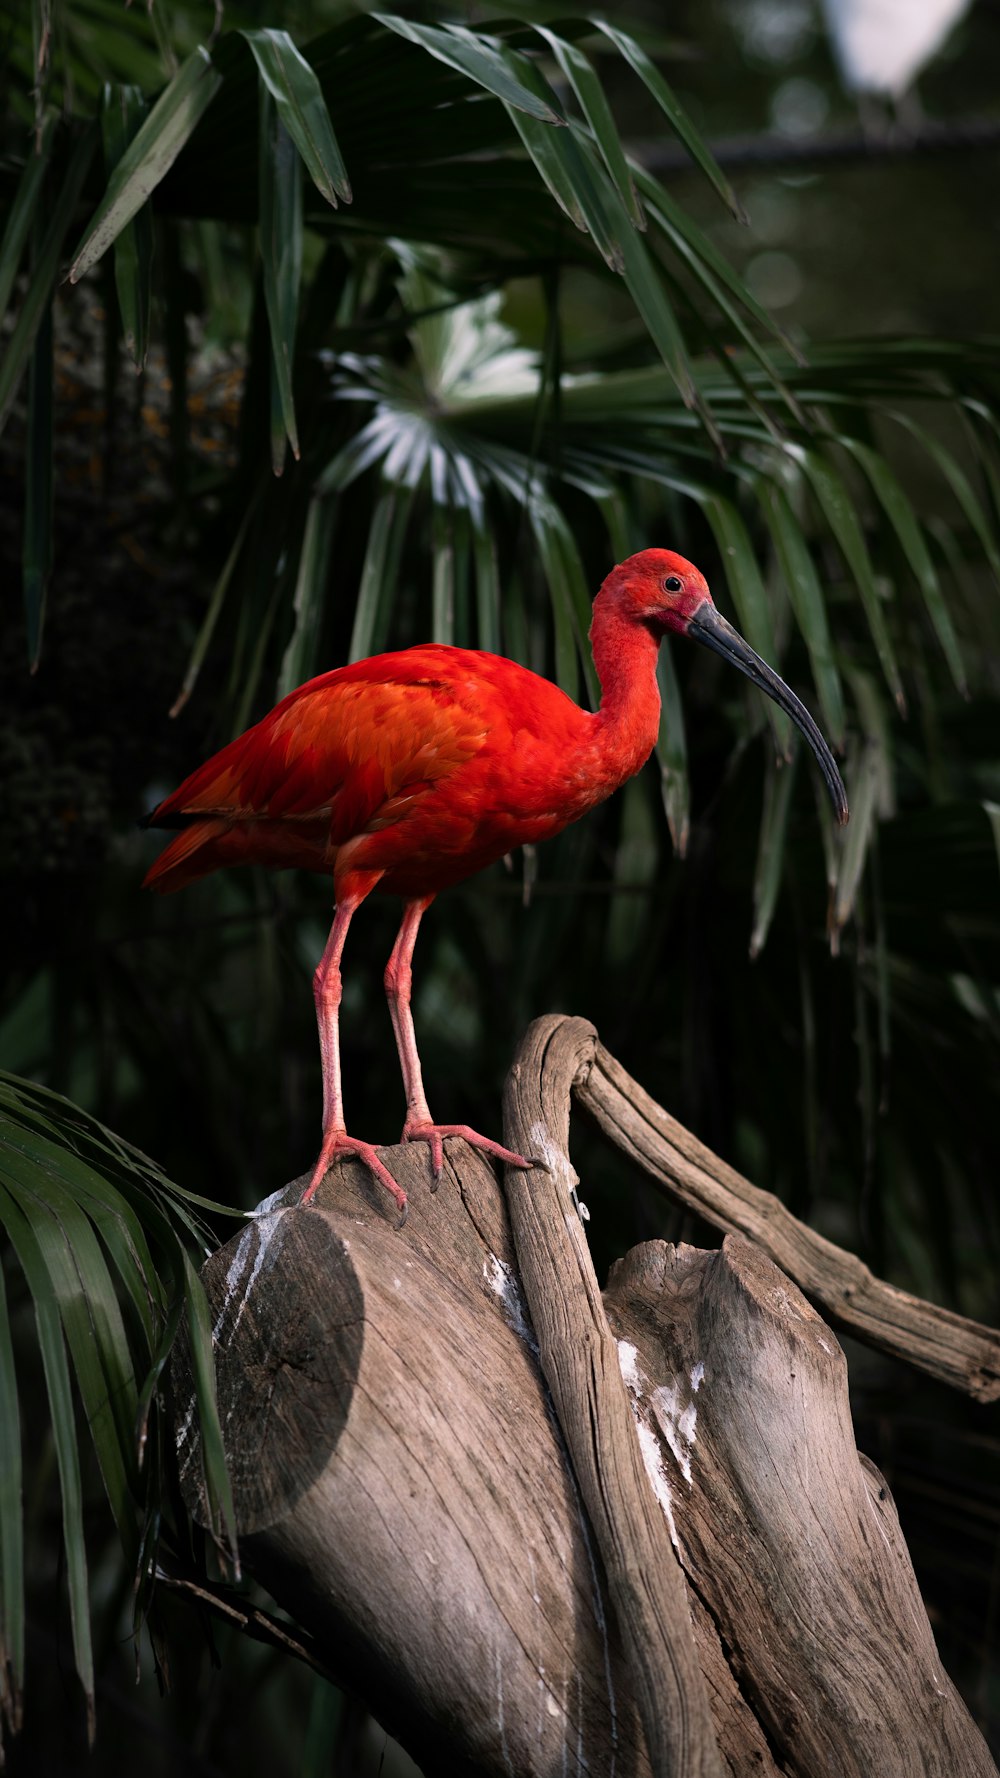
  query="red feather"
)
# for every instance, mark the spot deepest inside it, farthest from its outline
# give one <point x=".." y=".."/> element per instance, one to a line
<point x="410" y="771"/>
<point x="430" y="762"/>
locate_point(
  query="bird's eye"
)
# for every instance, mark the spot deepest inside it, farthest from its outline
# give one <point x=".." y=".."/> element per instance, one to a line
<point x="672" y="584"/>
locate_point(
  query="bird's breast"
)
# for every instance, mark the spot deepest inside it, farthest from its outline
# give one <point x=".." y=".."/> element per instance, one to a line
<point x="519" y="788"/>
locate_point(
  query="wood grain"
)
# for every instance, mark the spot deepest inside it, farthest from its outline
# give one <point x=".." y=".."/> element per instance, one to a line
<point x="948" y="1346"/>
<point x="401" y="1486"/>
<point x="580" y="1360"/>
<point x="790" y="1537"/>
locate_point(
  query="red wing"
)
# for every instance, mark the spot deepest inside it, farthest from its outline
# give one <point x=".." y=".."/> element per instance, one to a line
<point x="342" y="748"/>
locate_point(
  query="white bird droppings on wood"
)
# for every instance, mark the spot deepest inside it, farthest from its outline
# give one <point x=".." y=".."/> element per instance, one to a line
<point x="502" y="1280"/>
<point x="504" y="1749"/>
<point x="270" y="1204"/>
<point x="652" y="1457"/>
<point x="677" y="1422"/>
<point x="628" y="1360"/>
<point x="556" y="1161"/>
<point x="652" y="1454"/>
<point x="263" y="1229"/>
<point x="184" y="1428"/>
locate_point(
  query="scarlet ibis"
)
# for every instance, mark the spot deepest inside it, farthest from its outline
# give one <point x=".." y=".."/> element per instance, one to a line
<point x="407" y="772"/>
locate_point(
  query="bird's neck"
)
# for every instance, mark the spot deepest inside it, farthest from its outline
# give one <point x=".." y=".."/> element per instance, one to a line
<point x="629" y="718"/>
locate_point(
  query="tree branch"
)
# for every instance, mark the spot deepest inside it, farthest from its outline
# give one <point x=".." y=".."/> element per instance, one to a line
<point x="579" y="1357"/>
<point x="844" y="145"/>
<point x="950" y="1347"/>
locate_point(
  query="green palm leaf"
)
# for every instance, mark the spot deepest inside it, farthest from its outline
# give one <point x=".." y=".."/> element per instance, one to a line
<point x="44" y="270"/>
<point x="298" y="96"/>
<point x="149" y="156"/>
<point x="675" y="114"/>
<point x="84" y="1216"/>
<point x="280" y="190"/>
<point x="24" y="208"/>
<point x="122" y="115"/>
<point x="507" y="75"/>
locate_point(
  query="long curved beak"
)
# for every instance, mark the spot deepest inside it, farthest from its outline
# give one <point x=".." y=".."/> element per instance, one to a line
<point x="709" y="626"/>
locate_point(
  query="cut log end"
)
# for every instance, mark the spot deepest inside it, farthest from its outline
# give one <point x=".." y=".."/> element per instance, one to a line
<point x="288" y="1322"/>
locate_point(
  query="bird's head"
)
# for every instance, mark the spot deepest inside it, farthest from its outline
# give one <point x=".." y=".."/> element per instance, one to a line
<point x="661" y="589"/>
<point x="665" y="592"/>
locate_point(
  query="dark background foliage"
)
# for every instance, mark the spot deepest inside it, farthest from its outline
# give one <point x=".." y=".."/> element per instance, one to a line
<point x="859" y="1085"/>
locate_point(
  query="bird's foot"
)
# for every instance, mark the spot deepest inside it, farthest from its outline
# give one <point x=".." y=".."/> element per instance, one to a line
<point x="434" y="1134"/>
<point x="337" y="1143"/>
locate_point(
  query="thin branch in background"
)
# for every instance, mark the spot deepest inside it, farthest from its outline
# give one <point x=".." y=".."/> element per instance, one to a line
<point x="262" y="1626"/>
<point x="844" y="144"/>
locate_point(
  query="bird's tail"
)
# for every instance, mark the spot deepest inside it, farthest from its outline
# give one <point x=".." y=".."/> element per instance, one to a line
<point x="188" y="856"/>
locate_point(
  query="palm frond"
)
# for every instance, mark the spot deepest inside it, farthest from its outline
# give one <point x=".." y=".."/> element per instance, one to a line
<point x="99" y="1239"/>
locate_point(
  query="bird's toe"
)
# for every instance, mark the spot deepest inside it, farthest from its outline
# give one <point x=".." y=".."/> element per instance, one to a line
<point x="337" y="1144"/>
<point x="435" y="1135"/>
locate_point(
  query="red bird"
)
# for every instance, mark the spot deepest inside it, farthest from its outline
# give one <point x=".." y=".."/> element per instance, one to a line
<point x="408" y="772"/>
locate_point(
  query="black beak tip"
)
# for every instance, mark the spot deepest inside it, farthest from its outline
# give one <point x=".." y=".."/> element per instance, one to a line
<point x="838" y="795"/>
<point x="707" y="625"/>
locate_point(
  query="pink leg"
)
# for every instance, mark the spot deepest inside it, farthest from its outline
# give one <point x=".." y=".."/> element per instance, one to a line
<point x="419" y="1125"/>
<point x="327" y="989"/>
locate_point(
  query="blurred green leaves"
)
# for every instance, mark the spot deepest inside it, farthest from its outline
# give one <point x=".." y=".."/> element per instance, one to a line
<point x="55" y="220"/>
<point x="480" y="94"/>
<point x="150" y="154"/>
<point x="281" y="258"/>
<point x="99" y="1240"/>
<point x="674" y="113"/>
<point x="123" y="113"/>
<point x="291" y="83"/>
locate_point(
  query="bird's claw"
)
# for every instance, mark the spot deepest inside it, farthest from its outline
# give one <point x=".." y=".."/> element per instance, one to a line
<point x="337" y="1143"/>
<point x="434" y="1135"/>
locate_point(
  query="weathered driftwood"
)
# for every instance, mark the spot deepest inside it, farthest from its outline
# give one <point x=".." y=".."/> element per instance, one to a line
<point x="736" y="1597"/>
<point x="580" y="1361"/>
<point x="787" y="1537"/>
<point x="400" y="1483"/>
<point x="948" y="1346"/>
